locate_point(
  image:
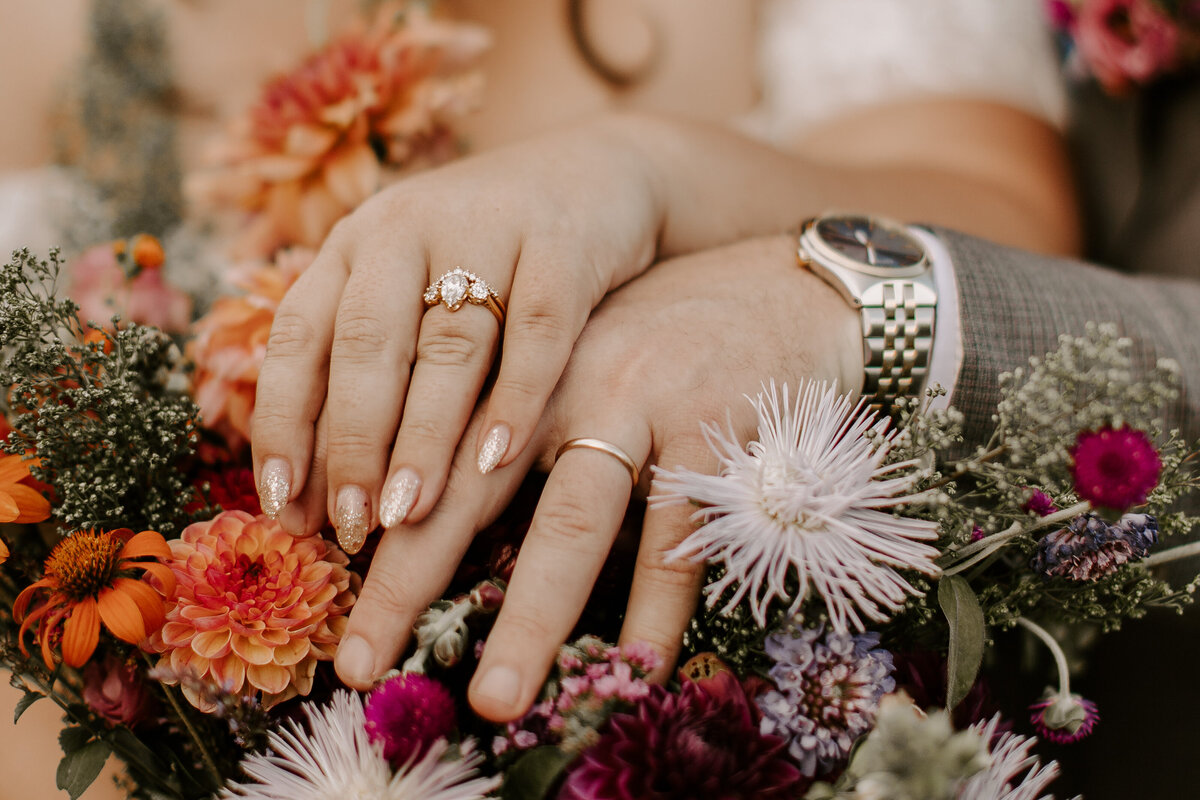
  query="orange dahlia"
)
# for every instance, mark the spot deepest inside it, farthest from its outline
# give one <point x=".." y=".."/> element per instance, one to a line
<point x="19" y="500"/>
<point x="315" y="144"/>
<point x="255" y="608"/>
<point x="92" y="577"/>
<point x="230" y="343"/>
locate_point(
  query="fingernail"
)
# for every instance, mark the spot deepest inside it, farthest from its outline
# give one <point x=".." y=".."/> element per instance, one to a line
<point x="354" y="661"/>
<point x="274" y="486"/>
<point x="399" y="497"/>
<point x="351" y="518"/>
<point x="494" y="447"/>
<point x="501" y="684"/>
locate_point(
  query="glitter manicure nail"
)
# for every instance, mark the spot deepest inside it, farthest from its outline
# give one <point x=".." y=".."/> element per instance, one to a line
<point x="399" y="497"/>
<point x="351" y="518"/>
<point x="494" y="447"/>
<point x="274" y="486"/>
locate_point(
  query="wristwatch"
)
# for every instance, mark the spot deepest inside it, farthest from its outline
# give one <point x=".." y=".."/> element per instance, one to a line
<point x="880" y="267"/>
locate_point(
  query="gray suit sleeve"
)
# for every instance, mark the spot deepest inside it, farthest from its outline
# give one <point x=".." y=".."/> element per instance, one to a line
<point x="1014" y="304"/>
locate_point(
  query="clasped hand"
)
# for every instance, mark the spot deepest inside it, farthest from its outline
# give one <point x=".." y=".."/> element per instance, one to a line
<point x="370" y="409"/>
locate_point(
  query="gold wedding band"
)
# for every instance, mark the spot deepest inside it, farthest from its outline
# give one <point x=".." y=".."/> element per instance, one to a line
<point x="603" y="447"/>
<point x="459" y="286"/>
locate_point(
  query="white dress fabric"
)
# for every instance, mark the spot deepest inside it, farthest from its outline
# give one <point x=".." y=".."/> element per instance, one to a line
<point x="819" y="59"/>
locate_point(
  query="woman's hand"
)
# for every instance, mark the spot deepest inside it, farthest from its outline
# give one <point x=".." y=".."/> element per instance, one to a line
<point x="681" y="345"/>
<point x="551" y="225"/>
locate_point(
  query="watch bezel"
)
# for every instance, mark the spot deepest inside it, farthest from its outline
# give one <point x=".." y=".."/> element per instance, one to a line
<point x="815" y="249"/>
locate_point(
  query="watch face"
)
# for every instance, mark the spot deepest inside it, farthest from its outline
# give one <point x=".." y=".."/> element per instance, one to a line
<point x="866" y="241"/>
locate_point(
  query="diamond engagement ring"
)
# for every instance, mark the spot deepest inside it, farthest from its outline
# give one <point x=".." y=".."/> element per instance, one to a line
<point x="459" y="286"/>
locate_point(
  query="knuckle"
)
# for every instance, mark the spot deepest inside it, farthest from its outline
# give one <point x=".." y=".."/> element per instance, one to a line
<point x="676" y="577"/>
<point x="541" y="319"/>
<point x="523" y="625"/>
<point x="290" y="334"/>
<point x="359" y="333"/>
<point x="425" y="430"/>
<point x="567" y="520"/>
<point x="445" y="346"/>
<point x="351" y="444"/>
<point x="522" y="391"/>
<point x="384" y="591"/>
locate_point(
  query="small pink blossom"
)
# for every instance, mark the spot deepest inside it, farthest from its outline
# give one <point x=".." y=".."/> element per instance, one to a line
<point x="113" y="690"/>
<point x="1114" y="468"/>
<point x="1064" y="719"/>
<point x="407" y="714"/>
<point x="101" y="288"/>
<point x="1126" y="42"/>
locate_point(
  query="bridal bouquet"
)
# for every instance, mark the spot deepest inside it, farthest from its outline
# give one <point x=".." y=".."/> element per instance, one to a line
<point x="858" y="571"/>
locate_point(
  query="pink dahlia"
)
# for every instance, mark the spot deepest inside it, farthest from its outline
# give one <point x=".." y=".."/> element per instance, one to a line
<point x="1063" y="718"/>
<point x="407" y="714"/>
<point x="1126" y="42"/>
<point x="1114" y="468"/>
<point x="230" y="343"/>
<point x="255" y="608"/>
<point x="102" y="288"/>
<point x="315" y="144"/>
<point x="684" y="745"/>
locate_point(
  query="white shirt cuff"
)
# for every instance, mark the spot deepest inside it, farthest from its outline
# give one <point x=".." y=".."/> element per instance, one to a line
<point x="946" y="356"/>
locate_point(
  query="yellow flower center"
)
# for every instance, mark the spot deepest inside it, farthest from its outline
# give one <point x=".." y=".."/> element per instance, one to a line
<point x="84" y="563"/>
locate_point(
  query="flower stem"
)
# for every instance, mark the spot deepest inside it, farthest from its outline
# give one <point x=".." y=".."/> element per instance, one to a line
<point x="209" y="762"/>
<point x="1172" y="554"/>
<point x="1060" y="658"/>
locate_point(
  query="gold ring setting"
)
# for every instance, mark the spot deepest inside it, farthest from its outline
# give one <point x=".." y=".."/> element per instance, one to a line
<point x="604" y="447"/>
<point x="459" y="286"/>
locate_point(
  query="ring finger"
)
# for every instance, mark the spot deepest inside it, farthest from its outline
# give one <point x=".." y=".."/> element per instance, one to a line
<point x="576" y="522"/>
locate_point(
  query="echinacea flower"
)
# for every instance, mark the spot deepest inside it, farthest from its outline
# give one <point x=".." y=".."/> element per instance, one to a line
<point x="1090" y="548"/>
<point x="828" y="688"/>
<point x="230" y="343"/>
<point x="689" y="744"/>
<point x="255" y="608"/>
<point x="92" y="577"/>
<point x="336" y="758"/>
<point x="1064" y="718"/>
<point x="813" y="495"/>
<point x="1114" y="468"/>
<point x="315" y="144"/>
<point x="407" y="714"/>
<point x="19" y="501"/>
<point x="1015" y="773"/>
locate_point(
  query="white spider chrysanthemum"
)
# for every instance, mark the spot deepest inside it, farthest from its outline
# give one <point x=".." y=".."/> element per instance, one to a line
<point x="1014" y="774"/>
<point x="335" y="758"/>
<point x="813" y="495"/>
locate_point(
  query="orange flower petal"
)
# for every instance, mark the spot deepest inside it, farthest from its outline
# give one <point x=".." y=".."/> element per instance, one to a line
<point x="9" y="510"/>
<point x="146" y="543"/>
<point x="271" y="678"/>
<point x="4" y="553"/>
<point x="229" y="672"/>
<point x="250" y="652"/>
<point x="212" y="644"/>
<point x="13" y="468"/>
<point x="81" y="633"/>
<point x="22" y="601"/>
<point x="149" y="602"/>
<point x="164" y="574"/>
<point x="121" y="615"/>
<point x="353" y="174"/>
<point x="34" y="507"/>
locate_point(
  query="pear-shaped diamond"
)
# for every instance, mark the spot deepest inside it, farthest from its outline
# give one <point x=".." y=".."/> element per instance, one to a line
<point x="454" y="289"/>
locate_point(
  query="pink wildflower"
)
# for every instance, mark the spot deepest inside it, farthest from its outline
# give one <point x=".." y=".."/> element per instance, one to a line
<point x="1114" y="468"/>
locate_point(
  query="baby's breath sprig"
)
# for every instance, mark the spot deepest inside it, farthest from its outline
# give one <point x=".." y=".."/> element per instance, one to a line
<point x="103" y="408"/>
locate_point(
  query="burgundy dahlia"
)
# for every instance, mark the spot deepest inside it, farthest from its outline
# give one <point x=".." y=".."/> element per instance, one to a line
<point x="1114" y="468"/>
<point x="684" y="746"/>
<point x="408" y="714"/>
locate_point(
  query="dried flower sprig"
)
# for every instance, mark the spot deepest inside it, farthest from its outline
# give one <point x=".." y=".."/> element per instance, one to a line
<point x="105" y="410"/>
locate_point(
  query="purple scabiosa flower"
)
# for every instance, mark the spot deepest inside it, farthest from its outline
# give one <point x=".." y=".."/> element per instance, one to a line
<point x="1015" y="772"/>
<point x="1039" y="503"/>
<point x="407" y="714"/>
<point x="828" y="687"/>
<point x="1114" y="468"/>
<point x="813" y="496"/>
<point x="684" y="745"/>
<point x="1063" y="718"/>
<point x="1090" y="548"/>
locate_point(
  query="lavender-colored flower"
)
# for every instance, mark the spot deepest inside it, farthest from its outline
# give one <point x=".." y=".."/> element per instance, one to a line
<point x="407" y="714"/>
<point x="813" y="495"/>
<point x="827" y="695"/>
<point x="1090" y="548"/>
<point x="1014" y="774"/>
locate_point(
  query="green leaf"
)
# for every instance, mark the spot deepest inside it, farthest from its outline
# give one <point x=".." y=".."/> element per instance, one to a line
<point x="535" y="773"/>
<point x="73" y="738"/>
<point x="962" y="611"/>
<point x="25" y="702"/>
<point x="77" y="770"/>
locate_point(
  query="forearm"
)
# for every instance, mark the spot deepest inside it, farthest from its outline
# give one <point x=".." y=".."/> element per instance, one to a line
<point x="1004" y="177"/>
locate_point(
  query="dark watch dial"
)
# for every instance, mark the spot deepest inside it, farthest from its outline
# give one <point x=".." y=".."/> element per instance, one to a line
<point x="864" y="240"/>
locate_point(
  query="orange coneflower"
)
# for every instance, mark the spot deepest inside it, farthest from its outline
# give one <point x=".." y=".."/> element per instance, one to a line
<point x="91" y="577"/>
<point x="19" y="501"/>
